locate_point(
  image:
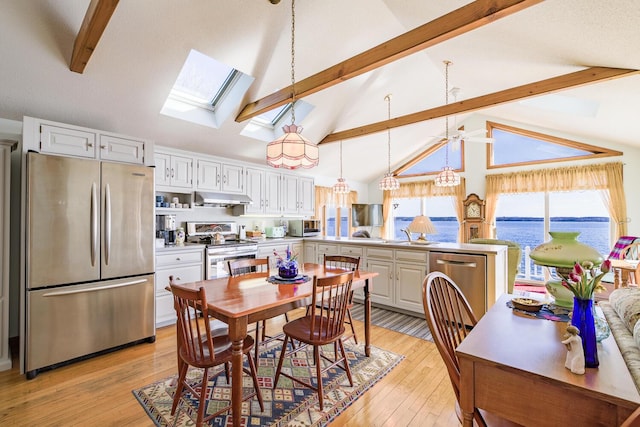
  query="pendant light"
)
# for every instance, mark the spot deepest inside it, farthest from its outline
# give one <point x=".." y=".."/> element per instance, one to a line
<point x="447" y="177"/>
<point x="292" y="150"/>
<point x="389" y="182"/>
<point x="341" y="187"/>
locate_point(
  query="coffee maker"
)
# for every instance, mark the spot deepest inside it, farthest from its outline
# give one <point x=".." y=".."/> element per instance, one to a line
<point x="166" y="229"/>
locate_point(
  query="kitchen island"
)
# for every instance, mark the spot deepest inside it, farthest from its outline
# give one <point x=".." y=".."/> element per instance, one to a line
<point x="479" y="270"/>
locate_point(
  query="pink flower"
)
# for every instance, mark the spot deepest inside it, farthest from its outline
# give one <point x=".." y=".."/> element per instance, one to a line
<point x="575" y="277"/>
<point x="577" y="269"/>
<point x="606" y="266"/>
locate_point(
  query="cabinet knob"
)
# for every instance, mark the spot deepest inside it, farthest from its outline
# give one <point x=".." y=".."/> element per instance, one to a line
<point x="178" y="279"/>
<point x="167" y="172"/>
<point x="172" y="172"/>
<point x="89" y="144"/>
<point x="102" y="147"/>
<point x="218" y="179"/>
<point x="178" y="259"/>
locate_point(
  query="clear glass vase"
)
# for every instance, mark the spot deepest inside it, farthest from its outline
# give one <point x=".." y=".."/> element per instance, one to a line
<point x="583" y="319"/>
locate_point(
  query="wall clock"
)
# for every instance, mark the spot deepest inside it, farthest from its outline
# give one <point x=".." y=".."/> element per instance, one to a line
<point x="473" y="217"/>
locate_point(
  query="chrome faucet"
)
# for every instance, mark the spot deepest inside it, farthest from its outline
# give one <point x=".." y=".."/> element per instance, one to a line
<point x="407" y="232"/>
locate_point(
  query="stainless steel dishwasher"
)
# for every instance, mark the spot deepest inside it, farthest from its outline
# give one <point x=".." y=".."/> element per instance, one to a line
<point x="469" y="272"/>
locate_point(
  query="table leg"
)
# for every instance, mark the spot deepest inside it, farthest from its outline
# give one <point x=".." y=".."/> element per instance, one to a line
<point x="237" y="333"/>
<point x="367" y="319"/>
<point x="616" y="278"/>
<point x="467" y="391"/>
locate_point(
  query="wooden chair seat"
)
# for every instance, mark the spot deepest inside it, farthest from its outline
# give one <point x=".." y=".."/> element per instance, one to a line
<point x="301" y="330"/>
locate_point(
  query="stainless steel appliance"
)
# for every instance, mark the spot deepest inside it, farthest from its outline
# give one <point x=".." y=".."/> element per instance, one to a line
<point x="220" y="251"/>
<point x="304" y="227"/>
<point x="469" y="272"/>
<point x="166" y="229"/>
<point x="89" y="258"/>
<point x="363" y="215"/>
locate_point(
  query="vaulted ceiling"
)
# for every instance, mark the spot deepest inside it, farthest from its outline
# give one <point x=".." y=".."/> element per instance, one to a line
<point x="128" y="76"/>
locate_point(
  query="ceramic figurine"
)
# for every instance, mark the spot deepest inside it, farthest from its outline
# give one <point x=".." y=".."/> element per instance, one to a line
<point x="575" y="355"/>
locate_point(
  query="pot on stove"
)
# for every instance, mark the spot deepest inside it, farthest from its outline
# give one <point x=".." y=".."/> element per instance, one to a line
<point x="218" y="238"/>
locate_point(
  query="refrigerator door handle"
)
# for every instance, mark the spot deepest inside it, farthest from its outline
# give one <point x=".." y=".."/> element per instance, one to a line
<point x="95" y="288"/>
<point x="94" y="223"/>
<point x="107" y="224"/>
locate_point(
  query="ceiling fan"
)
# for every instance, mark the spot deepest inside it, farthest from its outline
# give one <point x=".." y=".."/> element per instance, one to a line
<point x="459" y="134"/>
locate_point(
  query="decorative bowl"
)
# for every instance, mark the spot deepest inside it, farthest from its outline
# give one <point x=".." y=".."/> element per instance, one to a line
<point x="527" y="304"/>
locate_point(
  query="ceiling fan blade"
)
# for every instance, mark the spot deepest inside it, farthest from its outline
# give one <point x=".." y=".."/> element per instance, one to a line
<point x="476" y="139"/>
<point x="475" y="132"/>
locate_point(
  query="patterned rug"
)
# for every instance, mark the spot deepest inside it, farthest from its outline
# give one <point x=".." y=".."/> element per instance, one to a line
<point x="289" y="404"/>
<point x="403" y="323"/>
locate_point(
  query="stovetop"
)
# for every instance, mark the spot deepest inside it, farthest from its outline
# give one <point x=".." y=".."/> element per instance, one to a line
<point x="209" y="241"/>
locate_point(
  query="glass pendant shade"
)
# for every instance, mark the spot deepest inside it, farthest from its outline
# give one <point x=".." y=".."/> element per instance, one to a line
<point x="447" y="178"/>
<point x="341" y="187"/>
<point x="389" y="182"/>
<point x="292" y="150"/>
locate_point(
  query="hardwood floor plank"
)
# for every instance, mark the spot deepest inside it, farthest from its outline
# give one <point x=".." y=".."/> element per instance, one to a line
<point x="97" y="391"/>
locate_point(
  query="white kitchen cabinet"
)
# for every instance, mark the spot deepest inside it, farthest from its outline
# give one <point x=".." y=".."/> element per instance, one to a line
<point x="310" y="252"/>
<point x="218" y="176"/>
<point x="306" y="196"/>
<point x="264" y="189"/>
<point x="298" y="248"/>
<point x="382" y="286"/>
<point x="185" y="265"/>
<point x="326" y="249"/>
<point x="298" y="195"/>
<point x="267" y="249"/>
<point x="5" y="180"/>
<point x="173" y="172"/>
<point x="409" y="278"/>
<point x="81" y="142"/>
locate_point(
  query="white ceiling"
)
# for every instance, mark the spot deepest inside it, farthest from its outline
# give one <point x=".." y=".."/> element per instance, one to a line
<point x="144" y="46"/>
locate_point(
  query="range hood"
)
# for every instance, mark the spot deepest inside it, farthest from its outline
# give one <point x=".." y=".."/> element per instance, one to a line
<point x="221" y="199"/>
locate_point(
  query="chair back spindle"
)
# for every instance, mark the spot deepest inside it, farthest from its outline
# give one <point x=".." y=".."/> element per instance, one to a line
<point x="194" y="331"/>
<point x="329" y="305"/>
<point x="248" y="265"/>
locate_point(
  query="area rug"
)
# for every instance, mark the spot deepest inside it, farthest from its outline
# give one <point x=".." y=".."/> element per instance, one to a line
<point x="289" y="404"/>
<point x="406" y="324"/>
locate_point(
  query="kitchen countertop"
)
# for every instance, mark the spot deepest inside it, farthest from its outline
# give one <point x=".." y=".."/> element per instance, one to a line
<point x="404" y="244"/>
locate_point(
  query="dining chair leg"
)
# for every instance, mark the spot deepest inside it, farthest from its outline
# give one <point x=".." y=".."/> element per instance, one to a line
<point x="346" y="362"/>
<point x="319" y="376"/>
<point x="227" y="372"/>
<point x="254" y="377"/>
<point x="256" y="346"/>
<point x="283" y="353"/>
<point x="353" y="330"/>
<point x="181" y="378"/>
<point x="203" y="397"/>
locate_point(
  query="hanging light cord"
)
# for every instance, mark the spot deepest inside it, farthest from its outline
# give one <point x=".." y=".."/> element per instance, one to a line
<point x="293" y="61"/>
<point x="388" y="98"/>
<point x="340" y="158"/>
<point x="446" y="118"/>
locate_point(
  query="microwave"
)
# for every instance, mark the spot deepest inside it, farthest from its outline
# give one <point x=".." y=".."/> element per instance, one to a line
<point x="304" y="227"/>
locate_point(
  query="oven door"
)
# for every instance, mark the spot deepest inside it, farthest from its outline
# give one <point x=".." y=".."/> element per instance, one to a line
<point x="217" y="264"/>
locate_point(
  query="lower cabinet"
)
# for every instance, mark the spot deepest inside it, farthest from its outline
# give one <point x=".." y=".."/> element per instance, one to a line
<point x="185" y="265"/>
<point x="280" y="247"/>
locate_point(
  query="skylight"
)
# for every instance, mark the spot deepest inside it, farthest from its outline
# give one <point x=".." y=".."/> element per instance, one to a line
<point x="206" y="91"/>
<point x="268" y="126"/>
<point x="272" y="117"/>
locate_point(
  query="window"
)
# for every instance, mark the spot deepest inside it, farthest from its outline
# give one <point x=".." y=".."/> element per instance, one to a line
<point x="526" y="218"/>
<point x="335" y="228"/>
<point x="206" y="91"/>
<point x="440" y="210"/>
<point x="432" y="160"/>
<point x="513" y="146"/>
<point x="268" y="126"/>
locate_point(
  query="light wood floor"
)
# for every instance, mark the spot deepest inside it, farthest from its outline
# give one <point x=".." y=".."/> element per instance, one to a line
<point x="97" y="391"/>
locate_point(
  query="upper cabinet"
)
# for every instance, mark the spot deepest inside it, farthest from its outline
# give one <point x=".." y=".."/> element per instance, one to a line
<point x="218" y="176"/>
<point x="173" y="172"/>
<point x="272" y="192"/>
<point x="75" y="141"/>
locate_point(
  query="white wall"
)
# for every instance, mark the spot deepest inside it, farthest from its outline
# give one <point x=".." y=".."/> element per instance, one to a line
<point x="476" y="155"/>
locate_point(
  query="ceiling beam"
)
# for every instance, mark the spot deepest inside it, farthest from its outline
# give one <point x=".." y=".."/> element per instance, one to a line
<point x="95" y="21"/>
<point x="554" y="84"/>
<point x="446" y="27"/>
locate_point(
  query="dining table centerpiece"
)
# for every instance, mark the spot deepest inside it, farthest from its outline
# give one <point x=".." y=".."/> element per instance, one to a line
<point x="583" y="280"/>
<point x="287" y="265"/>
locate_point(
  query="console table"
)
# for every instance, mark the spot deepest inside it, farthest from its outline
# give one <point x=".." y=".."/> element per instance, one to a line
<point x="513" y="365"/>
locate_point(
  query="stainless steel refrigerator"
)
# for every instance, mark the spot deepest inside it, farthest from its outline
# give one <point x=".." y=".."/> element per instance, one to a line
<point x="89" y="258"/>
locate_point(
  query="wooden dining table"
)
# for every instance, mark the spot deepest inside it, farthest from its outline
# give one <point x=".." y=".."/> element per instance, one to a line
<point x="243" y="300"/>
